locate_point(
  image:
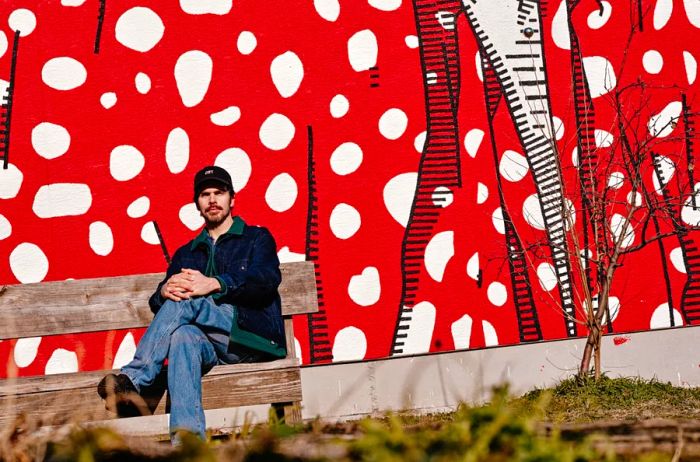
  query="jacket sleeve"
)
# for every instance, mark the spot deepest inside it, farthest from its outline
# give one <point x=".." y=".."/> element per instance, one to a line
<point x="259" y="279"/>
<point x="157" y="300"/>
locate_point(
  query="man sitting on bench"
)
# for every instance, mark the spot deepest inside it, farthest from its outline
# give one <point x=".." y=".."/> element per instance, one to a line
<point x="217" y="304"/>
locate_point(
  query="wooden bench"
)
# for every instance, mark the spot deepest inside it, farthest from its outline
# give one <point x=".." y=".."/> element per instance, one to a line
<point x="91" y="305"/>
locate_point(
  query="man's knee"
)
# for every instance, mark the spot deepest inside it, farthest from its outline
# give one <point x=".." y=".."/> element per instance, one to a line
<point x="186" y="336"/>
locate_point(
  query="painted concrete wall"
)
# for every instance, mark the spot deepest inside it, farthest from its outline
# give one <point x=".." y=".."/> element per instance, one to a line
<point x="436" y="160"/>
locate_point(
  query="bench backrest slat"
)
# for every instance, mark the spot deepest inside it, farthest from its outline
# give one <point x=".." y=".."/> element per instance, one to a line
<point x="91" y="305"/>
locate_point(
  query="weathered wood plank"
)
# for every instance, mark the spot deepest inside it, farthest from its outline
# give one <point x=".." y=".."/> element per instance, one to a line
<point x="58" y="382"/>
<point x="91" y="305"/>
<point x="219" y="391"/>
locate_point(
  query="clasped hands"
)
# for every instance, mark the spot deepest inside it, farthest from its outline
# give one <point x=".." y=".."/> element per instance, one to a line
<point x="188" y="283"/>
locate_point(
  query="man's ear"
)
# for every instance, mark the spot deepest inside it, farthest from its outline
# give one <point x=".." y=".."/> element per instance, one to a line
<point x="232" y="201"/>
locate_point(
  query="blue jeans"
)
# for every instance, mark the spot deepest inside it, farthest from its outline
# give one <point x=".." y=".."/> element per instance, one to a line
<point x="193" y="335"/>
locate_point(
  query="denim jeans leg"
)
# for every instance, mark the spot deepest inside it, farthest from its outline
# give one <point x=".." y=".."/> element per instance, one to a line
<point x="191" y="355"/>
<point x="153" y="348"/>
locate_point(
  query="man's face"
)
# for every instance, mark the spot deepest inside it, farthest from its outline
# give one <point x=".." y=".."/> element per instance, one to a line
<point x="214" y="204"/>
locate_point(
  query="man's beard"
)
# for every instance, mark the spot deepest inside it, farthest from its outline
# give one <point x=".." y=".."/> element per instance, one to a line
<point x="216" y="220"/>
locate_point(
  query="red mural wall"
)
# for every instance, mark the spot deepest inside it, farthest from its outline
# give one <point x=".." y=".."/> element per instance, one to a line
<point x="425" y="155"/>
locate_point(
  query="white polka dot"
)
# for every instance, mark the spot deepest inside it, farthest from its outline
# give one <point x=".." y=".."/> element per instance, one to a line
<point x="472" y="141"/>
<point x="125" y="162"/>
<point x="438" y="253"/>
<point x="653" y="62"/>
<point x="190" y="216"/>
<point x="101" y="238"/>
<point x="661" y="317"/>
<point x="139" y="29"/>
<point x="5" y="227"/>
<point x="246" y="42"/>
<point x="362" y="50"/>
<point x="345" y="220"/>
<point x="663" y="123"/>
<point x="616" y="180"/>
<point x="297" y="350"/>
<point x="446" y="19"/>
<point x="574" y="157"/>
<point x="22" y="20"/>
<point x="420" y="329"/>
<point x="50" y="140"/>
<point x="287" y="72"/>
<point x="667" y="169"/>
<point x="385" y="5"/>
<point x="690" y="213"/>
<point x="546" y="276"/>
<point x="350" y="344"/>
<point x="63" y="73"/>
<point x="613" y="307"/>
<point x="692" y="11"/>
<point x="676" y="256"/>
<point x="62" y="200"/>
<point x="618" y="226"/>
<point x="419" y="142"/>
<point x="490" y="335"/>
<point x="482" y="193"/>
<point x="149" y="235"/>
<point x="237" y="163"/>
<point x="442" y="196"/>
<point x="143" y="83"/>
<point x="108" y="100"/>
<point x="72" y="2"/>
<point x="691" y="67"/>
<point x="513" y="166"/>
<point x="461" y="332"/>
<point x="276" y="132"/>
<point x="558" y="126"/>
<point x="411" y="41"/>
<point x="282" y="193"/>
<point x="218" y="7"/>
<point x="602" y="138"/>
<point x="327" y="9"/>
<point x="339" y="106"/>
<point x="662" y="13"/>
<point x="28" y="263"/>
<point x="139" y="207"/>
<point x="600" y="75"/>
<point x="125" y="352"/>
<point x="477" y="65"/>
<point x="497" y="294"/>
<point x="473" y="266"/>
<point x="61" y="362"/>
<point x="287" y="256"/>
<point x="497" y="221"/>
<point x="4" y="86"/>
<point x="560" y="27"/>
<point x="10" y="181"/>
<point x="25" y="351"/>
<point x="346" y="158"/>
<point x="532" y="212"/>
<point x="634" y="198"/>
<point x="193" y="75"/>
<point x="226" y="117"/>
<point x="393" y="123"/>
<point x="596" y="19"/>
<point x="3" y="44"/>
<point x="177" y="150"/>
<point x="365" y="288"/>
<point x="398" y="196"/>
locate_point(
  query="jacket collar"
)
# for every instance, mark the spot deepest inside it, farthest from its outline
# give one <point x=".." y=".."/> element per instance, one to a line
<point x="236" y="229"/>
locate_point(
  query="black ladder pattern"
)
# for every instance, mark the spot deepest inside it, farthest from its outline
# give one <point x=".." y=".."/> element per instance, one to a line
<point x="528" y="320"/>
<point x="319" y="342"/>
<point x="6" y="107"/>
<point x="518" y="62"/>
<point x="440" y="164"/>
<point x="689" y="135"/>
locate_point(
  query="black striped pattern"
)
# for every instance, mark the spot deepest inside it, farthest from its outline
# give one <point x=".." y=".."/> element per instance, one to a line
<point x="6" y="107"/>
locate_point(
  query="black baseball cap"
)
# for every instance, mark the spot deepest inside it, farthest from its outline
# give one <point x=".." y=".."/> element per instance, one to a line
<point x="211" y="174"/>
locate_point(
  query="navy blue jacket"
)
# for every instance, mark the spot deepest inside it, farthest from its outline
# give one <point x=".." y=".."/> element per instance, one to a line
<point x="244" y="261"/>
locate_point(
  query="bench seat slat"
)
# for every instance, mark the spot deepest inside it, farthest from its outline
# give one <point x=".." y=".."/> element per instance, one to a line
<point x="91" y="305"/>
<point x="78" y="400"/>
